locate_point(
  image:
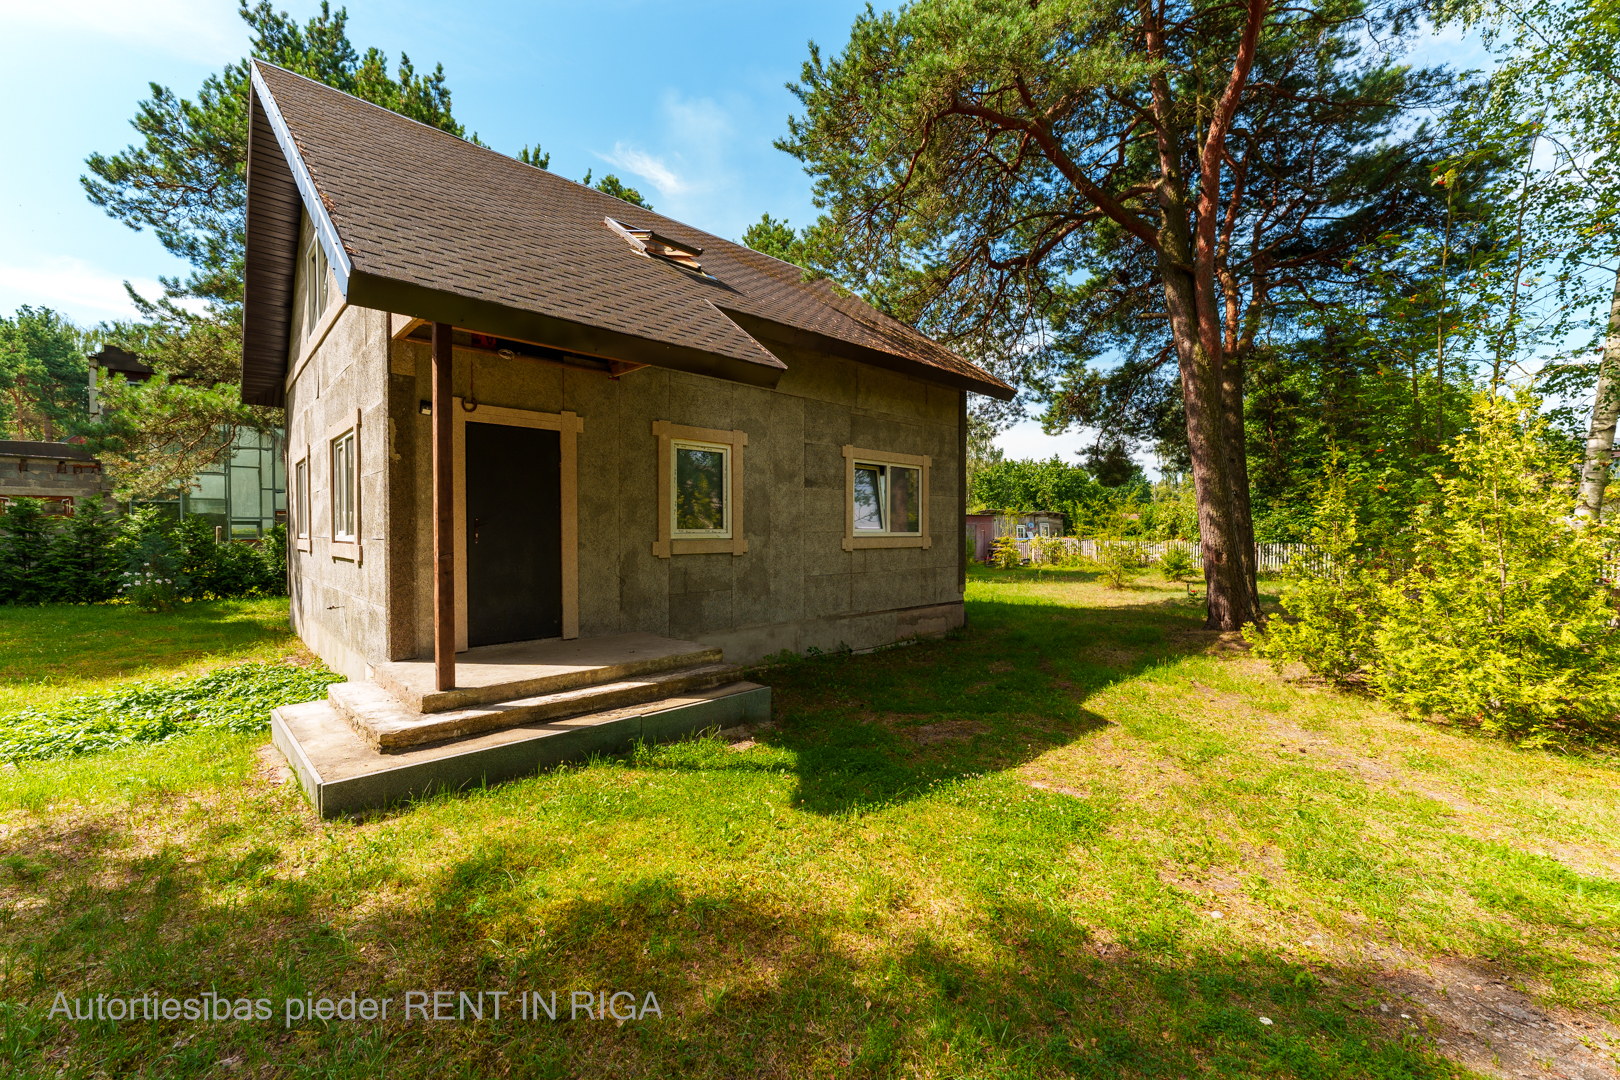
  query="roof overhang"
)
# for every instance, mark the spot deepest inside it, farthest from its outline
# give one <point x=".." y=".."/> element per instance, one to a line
<point x="768" y="330"/>
<point x="504" y="321"/>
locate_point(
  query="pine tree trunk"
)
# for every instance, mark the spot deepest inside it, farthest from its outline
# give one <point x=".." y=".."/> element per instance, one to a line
<point x="1605" y="412"/>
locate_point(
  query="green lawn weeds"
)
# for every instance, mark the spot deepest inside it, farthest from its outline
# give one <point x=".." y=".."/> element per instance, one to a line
<point x="1080" y="837"/>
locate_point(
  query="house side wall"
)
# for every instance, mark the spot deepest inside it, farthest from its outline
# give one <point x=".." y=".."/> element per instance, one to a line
<point x="340" y="605"/>
<point x="796" y="587"/>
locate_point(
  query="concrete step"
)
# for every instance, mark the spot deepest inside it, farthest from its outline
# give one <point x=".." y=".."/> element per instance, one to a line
<point x="342" y="774"/>
<point x="522" y="669"/>
<point x="387" y="724"/>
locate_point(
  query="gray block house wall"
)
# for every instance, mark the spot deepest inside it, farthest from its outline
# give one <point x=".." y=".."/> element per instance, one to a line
<point x="796" y="587"/>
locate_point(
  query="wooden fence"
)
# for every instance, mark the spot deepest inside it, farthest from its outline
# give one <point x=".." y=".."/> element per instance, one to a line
<point x="1271" y="557"/>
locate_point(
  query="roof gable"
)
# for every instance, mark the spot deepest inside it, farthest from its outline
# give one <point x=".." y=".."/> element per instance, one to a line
<point x="419" y="222"/>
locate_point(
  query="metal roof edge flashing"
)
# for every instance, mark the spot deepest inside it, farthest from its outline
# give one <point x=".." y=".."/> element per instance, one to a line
<point x="325" y="229"/>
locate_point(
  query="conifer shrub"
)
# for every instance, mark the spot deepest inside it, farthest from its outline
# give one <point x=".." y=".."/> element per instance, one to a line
<point x="1004" y="553"/>
<point x="25" y="546"/>
<point x="1499" y="612"/>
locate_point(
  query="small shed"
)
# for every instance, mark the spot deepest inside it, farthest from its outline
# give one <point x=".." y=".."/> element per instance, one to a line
<point x="981" y="534"/>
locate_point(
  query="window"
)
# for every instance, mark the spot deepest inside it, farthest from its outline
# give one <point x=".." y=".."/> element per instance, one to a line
<point x="301" y="503"/>
<point x="701" y="485"/>
<point x="343" y="478"/>
<point x="1023" y="531"/>
<point x="886" y="499"/>
<point x="1046" y="528"/>
<point x="700" y="505"/>
<point x="315" y="286"/>
<point x="343" y="486"/>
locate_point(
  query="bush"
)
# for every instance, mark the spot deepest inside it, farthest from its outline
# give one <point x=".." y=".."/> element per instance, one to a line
<point x="1118" y="561"/>
<point x="88" y="555"/>
<point x="1501" y="617"/>
<point x="1504" y="619"/>
<point x="1336" y="611"/>
<point x="152" y="578"/>
<point x="25" y="547"/>
<point x="1004" y="553"/>
<point x="1176" y="565"/>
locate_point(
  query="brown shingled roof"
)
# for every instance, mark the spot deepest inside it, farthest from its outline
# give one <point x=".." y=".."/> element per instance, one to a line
<point x="439" y="228"/>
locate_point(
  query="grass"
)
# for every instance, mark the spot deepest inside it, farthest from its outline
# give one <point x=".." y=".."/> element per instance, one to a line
<point x="61" y="650"/>
<point x="1081" y="837"/>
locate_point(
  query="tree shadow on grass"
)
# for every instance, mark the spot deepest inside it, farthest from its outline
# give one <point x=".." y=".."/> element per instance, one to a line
<point x="874" y="729"/>
<point x="746" y="985"/>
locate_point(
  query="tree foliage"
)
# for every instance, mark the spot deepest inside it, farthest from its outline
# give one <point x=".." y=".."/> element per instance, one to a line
<point x="1037" y="183"/>
<point x="44" y="378"/>
<point x="1497" y="615"/>
<point x="612" y="185"/>
<point x="156" y="435"/>
<point x="186" y="178"/>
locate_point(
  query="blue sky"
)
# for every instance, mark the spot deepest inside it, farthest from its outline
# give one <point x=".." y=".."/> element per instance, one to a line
<point x="681" y="100"/>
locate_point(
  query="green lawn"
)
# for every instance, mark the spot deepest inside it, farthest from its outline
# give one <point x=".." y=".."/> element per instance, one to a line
<point x="57" y="650"/>
<point x="1082" y="837"/>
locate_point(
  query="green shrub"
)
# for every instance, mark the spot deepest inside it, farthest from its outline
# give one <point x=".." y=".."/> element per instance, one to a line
<point x="1500" y="618"/>
<point x="1004" y="553"/>
<point x="1176" y="565"/>
<point x="1504" y="619"/>
<point x="152" y="578"/>
<point x="25" y="546"/>
<point x="88" y="555"/>
<point x="1118" y="561"/>
<point x="1334" y="612"/>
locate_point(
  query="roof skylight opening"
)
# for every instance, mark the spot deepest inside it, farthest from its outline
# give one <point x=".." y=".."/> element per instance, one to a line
<point x="655" y="246"/>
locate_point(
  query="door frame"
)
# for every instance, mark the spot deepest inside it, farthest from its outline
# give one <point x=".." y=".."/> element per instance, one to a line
<point x="568" y="426"/>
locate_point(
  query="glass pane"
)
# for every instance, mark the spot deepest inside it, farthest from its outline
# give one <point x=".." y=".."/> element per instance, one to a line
<point x="905" y="499"/>
<point x="869" y="497"/>
<point x="700" y="490"/>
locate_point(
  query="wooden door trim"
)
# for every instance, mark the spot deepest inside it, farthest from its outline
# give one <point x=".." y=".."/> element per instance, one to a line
<point x="568" y="427"/>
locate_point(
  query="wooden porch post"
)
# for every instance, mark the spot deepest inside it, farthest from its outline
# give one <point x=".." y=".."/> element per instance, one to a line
<point x="444" y="502"/>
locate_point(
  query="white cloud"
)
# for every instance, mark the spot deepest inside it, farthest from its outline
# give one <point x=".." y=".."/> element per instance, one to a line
<point x="650" y="168"/>
<point x="1025" y="441"/>
<point x="206" y="31"/>
<point x="85" y="293"/>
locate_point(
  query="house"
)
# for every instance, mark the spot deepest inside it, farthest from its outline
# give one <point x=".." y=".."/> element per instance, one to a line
<point x="243" y="495"/>
<point x="61" y="474"/>
<point x="1027" y="525"/>
<point x="542" y="443"/>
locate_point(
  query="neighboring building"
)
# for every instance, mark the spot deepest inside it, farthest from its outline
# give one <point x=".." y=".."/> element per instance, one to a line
<point x="64" y="475"/>
<point x="981" y="533"/>
<point x="650" y="446"/>
<point x="244" y="494"/>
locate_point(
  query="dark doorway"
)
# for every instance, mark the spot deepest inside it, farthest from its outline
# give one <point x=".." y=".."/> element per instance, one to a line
<point x="514" y="534"/>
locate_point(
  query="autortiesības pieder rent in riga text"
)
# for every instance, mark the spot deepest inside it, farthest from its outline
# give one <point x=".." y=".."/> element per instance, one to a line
<point x="414" y="1006"/>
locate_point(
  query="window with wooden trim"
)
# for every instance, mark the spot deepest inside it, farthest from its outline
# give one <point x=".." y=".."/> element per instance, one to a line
<point x="885" y="499"/>
<point x="315" y="285"/>
<point x="700" y="504"/>
<point x="343" y="484"/>
<point x="300" y="507"/>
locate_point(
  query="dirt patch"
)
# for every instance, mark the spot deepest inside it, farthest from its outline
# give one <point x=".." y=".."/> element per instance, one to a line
<point x="931" y="734"/>
<point x="272" y="768"/>
<point x="1001" y="667"/>
<point x="1058" y="789"/>
<point x="746" y="736"/>
<point x="1478" y="1020"/>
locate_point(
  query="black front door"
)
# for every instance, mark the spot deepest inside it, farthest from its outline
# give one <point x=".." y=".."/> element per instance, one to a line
<point x="514" y="534"/>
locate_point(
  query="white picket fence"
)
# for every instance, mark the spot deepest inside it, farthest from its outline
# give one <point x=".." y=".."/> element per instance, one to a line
<point x="1271" y="557"/>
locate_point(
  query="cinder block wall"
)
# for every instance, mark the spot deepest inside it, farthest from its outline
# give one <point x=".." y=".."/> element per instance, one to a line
<point x="795" y="588"/>
<point x="340" y="606"/>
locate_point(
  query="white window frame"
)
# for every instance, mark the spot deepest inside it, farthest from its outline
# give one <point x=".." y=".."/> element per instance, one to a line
<point x="302" y="502"/>
<point x="725" y="452"/>
<point x="316" y="293"/>
<point x="344" y="547"/>
<point x="869" y="538"/>
<point x="733" y="541"/>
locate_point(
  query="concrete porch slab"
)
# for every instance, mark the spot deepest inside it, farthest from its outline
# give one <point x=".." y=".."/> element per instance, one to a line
<point x="342" y="775"/>
<point x="522" y="669"/>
